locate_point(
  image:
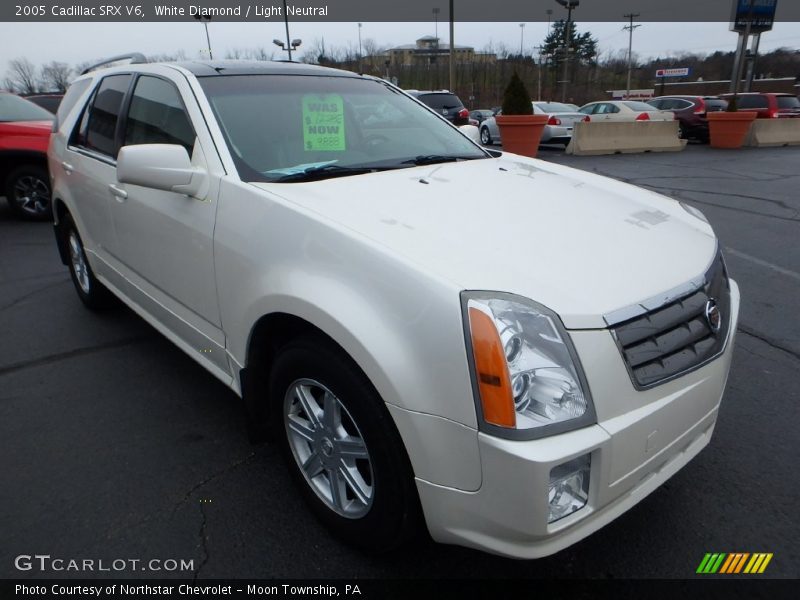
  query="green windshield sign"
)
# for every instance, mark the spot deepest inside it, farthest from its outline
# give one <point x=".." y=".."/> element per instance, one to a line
<point x="323" y="122"/>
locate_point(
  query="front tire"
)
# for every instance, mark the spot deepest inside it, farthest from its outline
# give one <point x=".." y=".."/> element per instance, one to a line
<point x="341" y="446"/>
<point x="28" y="193"/>
<point x="486" y="138"/>
<point x="92" y="293"/>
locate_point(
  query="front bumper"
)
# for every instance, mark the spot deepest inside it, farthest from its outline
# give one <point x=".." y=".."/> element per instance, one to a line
<point x="641" y="440"/>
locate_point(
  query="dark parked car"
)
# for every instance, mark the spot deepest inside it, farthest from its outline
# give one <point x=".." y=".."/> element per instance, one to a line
<point x="49" y="102"/>
<point x="690" y="112"/>
<point x="24" y="135"/>
<point x="769" y="105"/>
<point x="445" y="103"/>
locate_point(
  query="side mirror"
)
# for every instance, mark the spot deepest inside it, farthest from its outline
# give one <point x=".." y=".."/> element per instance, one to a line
<point x="162" y="167"/>
<point x="471" y="132"/>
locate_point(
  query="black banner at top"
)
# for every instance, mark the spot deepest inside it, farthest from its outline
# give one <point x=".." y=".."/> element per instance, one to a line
<point x="377" y="10"/>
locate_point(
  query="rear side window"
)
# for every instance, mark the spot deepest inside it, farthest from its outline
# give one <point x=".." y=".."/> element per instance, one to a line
<point x="753" y="102"/>
<point x="157" y="115"/>
<point x="74" y="92"/>
<point x="441" y="101"/>
<point x="100" y="121"/>
<point x="788" y="102"/>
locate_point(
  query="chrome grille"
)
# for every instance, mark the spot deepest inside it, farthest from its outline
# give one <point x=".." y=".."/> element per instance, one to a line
<point x="676" y="337"/>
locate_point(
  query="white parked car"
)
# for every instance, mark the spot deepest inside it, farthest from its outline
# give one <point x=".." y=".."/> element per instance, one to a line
<point x="511" y="351"/>
<point x="624" y="110"/>
<point x="558" y="130"/>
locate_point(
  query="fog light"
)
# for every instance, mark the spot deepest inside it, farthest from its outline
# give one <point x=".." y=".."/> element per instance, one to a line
<point x="569" y="487"/>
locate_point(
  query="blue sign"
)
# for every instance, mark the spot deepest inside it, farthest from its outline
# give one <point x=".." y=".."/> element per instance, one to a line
<point x="760" y="14"/>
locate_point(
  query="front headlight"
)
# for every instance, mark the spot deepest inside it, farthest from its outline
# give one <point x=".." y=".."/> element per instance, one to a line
<point x="526" y="373"/>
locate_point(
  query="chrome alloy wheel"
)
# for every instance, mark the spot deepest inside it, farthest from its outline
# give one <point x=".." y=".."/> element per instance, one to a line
<point x="32" y="195"/>
<point x="328" y="448"/>
<point x="78" y="259"/>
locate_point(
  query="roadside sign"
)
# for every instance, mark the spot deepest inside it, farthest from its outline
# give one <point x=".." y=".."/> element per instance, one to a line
<point x="760" y="13"/>
<point x="682" y="72"/>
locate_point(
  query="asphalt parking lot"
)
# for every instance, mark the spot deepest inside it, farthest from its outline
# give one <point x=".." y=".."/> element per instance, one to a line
<point x="117" y="445"/>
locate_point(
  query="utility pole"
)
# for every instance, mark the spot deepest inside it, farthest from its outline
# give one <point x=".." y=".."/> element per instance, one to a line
<point x="630" y="29"/>
<point x="521" y="38"/>
<point x="452" y="49"/>
<point x="436" y="24"/>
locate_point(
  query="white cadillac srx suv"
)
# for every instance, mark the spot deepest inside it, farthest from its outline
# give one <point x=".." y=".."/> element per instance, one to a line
<point x="510" y="351"/>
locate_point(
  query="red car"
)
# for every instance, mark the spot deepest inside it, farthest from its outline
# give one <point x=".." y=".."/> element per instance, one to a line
<point x="24" y="135"/>
<point x="768" y="105"/>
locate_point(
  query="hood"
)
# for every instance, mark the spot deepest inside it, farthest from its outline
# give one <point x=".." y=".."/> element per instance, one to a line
<point x="30" y="136"/>
<point x="27" y="128"/>
<point x="580" y="244"/>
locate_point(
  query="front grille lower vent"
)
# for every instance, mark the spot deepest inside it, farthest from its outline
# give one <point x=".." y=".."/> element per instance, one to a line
<point x="677" y="337"/>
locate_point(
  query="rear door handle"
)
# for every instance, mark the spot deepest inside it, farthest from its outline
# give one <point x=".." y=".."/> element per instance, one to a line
<point x="67" y="167"/>
<point x="118" y="192"/>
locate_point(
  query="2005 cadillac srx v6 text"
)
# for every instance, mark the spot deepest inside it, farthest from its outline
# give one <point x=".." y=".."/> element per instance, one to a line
<point x="510" y="352"/>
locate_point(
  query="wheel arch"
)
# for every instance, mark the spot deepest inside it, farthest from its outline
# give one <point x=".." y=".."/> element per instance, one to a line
<point x="268" y="335"/>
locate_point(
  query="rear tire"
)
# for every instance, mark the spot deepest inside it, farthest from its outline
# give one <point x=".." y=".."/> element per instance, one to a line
<point x="341" y="446"/>
<point x="28" y="193"/>
<point x="92" y="293"/>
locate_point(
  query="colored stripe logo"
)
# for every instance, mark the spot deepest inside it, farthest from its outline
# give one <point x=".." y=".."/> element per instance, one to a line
<point x="734" y="562"/>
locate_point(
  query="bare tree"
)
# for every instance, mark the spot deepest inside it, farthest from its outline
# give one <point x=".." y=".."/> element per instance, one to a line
<point x="56" y="76"/>
<point x="22" y="75"/>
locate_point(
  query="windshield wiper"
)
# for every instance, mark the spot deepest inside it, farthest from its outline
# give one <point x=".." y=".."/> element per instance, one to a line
<point x="432" y="159"/>
<point x="327" y="172"/>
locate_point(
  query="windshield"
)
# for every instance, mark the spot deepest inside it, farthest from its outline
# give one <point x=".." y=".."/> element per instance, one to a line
<point x="280" y="126"/>
<point x="14" y="108"/>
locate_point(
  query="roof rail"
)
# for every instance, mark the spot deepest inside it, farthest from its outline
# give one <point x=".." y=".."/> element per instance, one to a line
<point x="136" y="58"/>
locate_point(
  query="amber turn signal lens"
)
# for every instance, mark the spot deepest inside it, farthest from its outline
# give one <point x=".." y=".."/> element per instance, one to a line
<point x="494" y="384"/>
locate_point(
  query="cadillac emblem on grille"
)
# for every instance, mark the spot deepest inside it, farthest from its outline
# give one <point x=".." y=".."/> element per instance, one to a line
<point x="713" y="316"/>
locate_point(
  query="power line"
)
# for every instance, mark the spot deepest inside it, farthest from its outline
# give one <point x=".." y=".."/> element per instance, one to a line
<point x="630" y="28"/>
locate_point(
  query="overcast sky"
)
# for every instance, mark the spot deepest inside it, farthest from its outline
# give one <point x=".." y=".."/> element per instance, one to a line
<point x="78" y="42"/>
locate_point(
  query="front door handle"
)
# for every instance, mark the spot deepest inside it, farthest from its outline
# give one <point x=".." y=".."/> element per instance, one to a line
<point x="68" y="168"/>
<point x="118" y="192"/>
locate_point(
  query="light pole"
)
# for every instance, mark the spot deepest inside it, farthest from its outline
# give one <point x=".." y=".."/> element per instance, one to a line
<point x="436" y="24"/>
<point x="569" y="5"/>
<point x="360" y="66"/>
<point x="452" y="49"/>
<point x="521" y="38"/>
<point x="288" y="46"/>
<point x="204" y="18"/>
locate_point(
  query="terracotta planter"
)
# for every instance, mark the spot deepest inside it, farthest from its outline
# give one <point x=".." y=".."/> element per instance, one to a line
<point x="520" y="134"/>
<point x="729" y="129"/>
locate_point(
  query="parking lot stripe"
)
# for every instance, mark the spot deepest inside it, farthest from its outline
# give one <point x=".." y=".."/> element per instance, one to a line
<point x="763" y="263"/>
